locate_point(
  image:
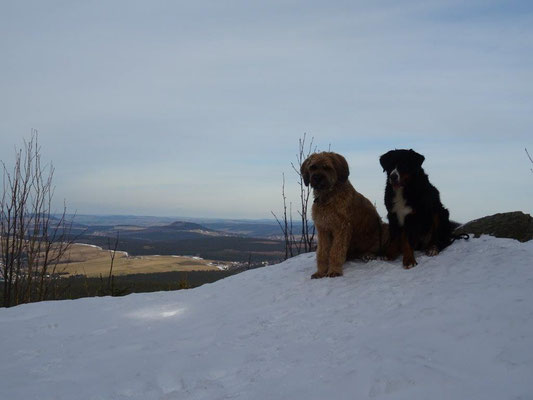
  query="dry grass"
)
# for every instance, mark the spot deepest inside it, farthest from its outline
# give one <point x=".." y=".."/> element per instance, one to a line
<point x="93" y="262"/>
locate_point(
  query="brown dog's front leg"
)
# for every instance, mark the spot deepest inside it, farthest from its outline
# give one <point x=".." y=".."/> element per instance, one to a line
<point x="322" y="253"/>
<point x="339" y="250"/>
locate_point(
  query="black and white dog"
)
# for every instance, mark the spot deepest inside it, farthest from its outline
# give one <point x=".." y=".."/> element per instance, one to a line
<point x="417" y="218"/>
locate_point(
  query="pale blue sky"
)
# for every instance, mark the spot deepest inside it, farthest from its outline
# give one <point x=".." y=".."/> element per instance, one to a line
<point x="195" y="108"/>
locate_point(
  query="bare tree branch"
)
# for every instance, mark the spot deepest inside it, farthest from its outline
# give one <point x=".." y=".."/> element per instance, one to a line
<point x="305" y="242"/>
<point x="285" y="226"/>
<point x="32" y="241"/>
<point x="112" y="254"/>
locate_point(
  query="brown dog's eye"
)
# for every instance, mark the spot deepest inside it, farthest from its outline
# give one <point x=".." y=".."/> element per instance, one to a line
<point x="312" y="168"/>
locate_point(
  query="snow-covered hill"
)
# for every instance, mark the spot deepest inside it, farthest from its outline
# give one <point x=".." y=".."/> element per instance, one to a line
<point x="458" y="326"/>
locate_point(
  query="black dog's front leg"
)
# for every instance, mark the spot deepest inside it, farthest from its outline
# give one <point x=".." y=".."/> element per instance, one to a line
<point x="393" y="246"/>
<point x="409" y="240"/>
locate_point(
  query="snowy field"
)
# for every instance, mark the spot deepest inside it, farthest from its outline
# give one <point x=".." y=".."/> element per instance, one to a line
<point x="458" y="326"/>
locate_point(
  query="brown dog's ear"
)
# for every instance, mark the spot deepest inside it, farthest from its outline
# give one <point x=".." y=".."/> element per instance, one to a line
<point x="341" y="167"/>
<point x="417" y="158"/>
<point x="304" y="170"/>
<point x="387" y="160"/>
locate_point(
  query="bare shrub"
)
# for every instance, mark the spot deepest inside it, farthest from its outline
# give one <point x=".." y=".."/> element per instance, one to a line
<point x="33" y="241"/>
<point x="304" y="241"/>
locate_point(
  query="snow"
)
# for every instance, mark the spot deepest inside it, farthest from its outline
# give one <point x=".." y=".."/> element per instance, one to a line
<point x="89" y="245"/>
<point x="124" y="253"/>
<point x="457" y="326"/>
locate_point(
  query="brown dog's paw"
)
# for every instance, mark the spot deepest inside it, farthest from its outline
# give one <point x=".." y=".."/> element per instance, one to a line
<point x="334" y="274"/>
<point x="409" y="262"/>
<point x="318" y="275"/>
<point x="432" y="251"/>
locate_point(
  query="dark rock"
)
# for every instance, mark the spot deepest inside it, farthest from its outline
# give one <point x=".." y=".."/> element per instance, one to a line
<point x="513" y="225"/>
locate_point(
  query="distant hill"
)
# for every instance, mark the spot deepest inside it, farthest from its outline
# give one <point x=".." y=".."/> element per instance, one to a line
<point x="183" y="226"/>
<point x="178" y="230"/>
<point x="257" y="228"/>
<point x="250" y="229"/>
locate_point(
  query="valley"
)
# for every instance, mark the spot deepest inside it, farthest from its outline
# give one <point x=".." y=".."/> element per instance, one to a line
<point x="93" y="261"/>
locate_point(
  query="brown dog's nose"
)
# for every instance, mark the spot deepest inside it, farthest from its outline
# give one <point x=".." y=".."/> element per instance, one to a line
<point x="316" y="179"/>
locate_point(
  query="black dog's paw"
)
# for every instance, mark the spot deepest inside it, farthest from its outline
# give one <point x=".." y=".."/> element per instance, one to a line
<point x="432" y="251"/>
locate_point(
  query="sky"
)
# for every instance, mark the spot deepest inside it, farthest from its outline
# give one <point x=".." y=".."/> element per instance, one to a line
<point x="175" y="108"/>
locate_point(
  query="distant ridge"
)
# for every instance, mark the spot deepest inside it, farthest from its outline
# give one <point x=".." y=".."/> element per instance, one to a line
<point x="177" y="230"/>
<point x="185" y="226"/>
<point x="106" y="224"/>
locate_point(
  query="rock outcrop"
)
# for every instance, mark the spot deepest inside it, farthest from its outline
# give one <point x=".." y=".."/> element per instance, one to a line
<point x="513" y="225"/>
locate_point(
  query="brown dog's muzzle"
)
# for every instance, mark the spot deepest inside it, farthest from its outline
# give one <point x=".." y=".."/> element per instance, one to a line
<point x="319" y="181"/>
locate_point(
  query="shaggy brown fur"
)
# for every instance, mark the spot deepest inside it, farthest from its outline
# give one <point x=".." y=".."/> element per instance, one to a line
<point x="347" y="223"/>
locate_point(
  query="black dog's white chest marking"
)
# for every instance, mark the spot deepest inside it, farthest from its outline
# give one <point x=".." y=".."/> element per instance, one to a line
<point x="399" y="206"/>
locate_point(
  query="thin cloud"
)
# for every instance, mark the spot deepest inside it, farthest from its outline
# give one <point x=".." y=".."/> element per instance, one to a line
<point x="161" y="106"/>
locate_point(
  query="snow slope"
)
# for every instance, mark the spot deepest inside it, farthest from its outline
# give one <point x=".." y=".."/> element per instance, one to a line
<point x="458" y="326"/>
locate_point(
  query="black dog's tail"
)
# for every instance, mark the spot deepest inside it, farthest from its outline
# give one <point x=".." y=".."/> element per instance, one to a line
<point x="452" y="237"/>
<point x="454" y="225"/>
<point x="464" y="236"/>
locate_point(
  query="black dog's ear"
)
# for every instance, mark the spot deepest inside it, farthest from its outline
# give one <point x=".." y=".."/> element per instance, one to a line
<point x="387" y="160"/>
<point x="417" y="158"/>
<point x="304" y="170"/>
<point x="341" y="167"/>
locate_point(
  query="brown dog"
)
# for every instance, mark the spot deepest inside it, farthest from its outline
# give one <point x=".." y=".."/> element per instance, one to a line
<point x="347" y="223"/>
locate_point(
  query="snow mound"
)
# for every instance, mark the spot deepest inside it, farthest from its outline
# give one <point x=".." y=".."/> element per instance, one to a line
<point x="458" y="326"/>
